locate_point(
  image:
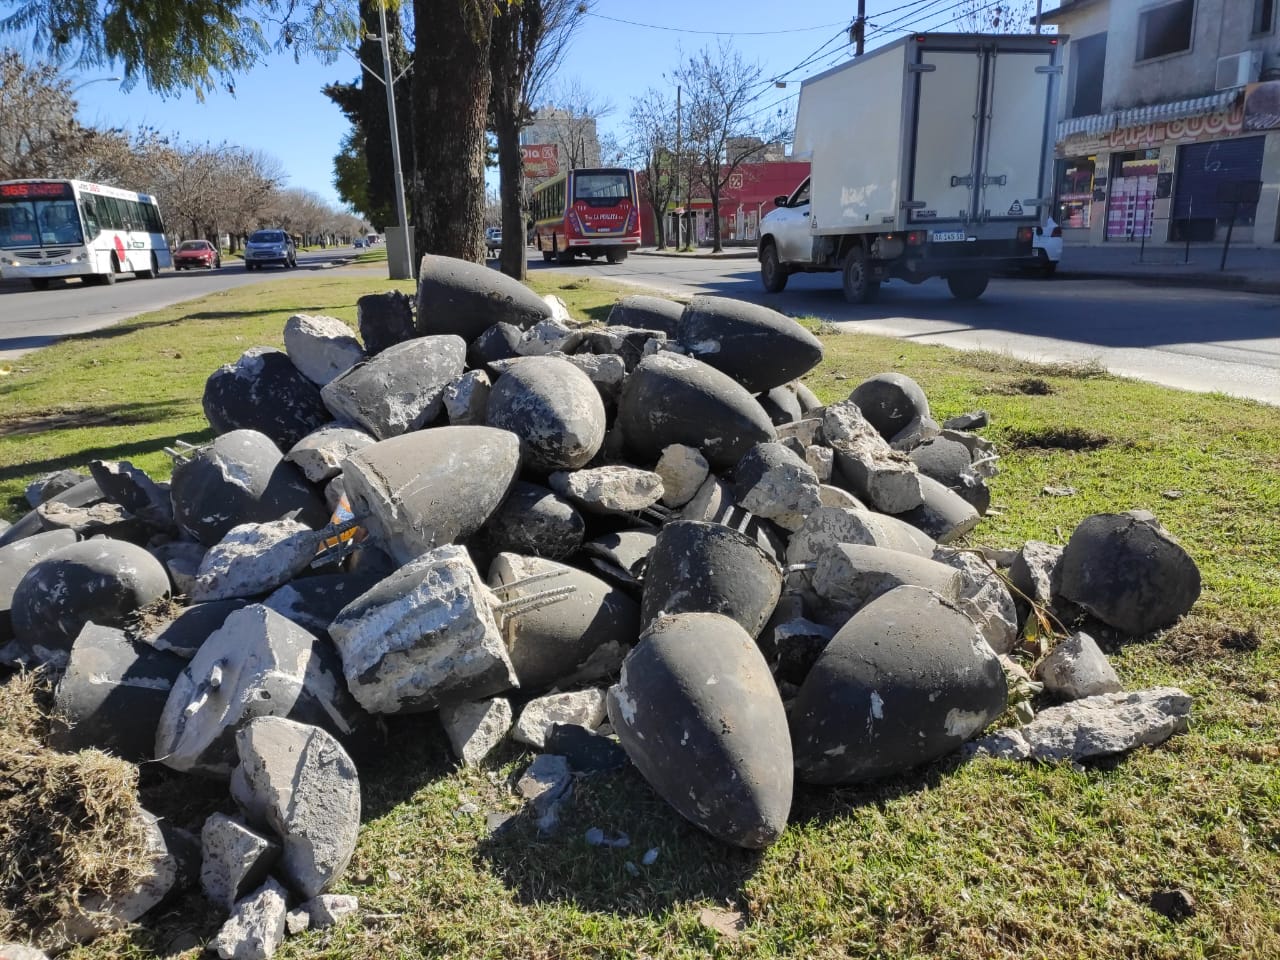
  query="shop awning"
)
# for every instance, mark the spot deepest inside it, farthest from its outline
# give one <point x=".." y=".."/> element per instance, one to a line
<point x="1152" y="113"/>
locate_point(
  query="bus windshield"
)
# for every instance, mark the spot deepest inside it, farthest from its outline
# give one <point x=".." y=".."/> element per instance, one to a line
<point x="603" y="188"/>
<point x="39" y="223"/>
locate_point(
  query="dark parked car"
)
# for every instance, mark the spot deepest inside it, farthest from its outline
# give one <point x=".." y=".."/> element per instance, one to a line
<point x="196" y="253"/>
<point x="270" y="246"/>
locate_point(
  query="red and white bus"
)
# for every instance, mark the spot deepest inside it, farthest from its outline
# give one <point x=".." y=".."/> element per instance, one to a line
<point x="589" y="211"/>
<point x="52" y="229"/>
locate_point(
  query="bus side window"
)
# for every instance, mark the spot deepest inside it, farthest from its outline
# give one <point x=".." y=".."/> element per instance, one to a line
<point x="152" y="215"/>
<point x="109" y="213"/>
<point x="89" y="210"/>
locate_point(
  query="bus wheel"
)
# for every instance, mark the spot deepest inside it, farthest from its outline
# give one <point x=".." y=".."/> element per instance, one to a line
<point x="616" y="256"/>
<point x="548" y="255"/>
<point x="40" y="283"/>
<point x="564" y="257"/>
<point x="110" y="277"/>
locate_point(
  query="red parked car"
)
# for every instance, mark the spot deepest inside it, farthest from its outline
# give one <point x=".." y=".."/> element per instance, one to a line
<point x="196" y="253"/>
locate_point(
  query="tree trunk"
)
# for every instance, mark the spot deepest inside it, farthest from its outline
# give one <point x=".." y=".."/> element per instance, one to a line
<point x="450" y="93"/>
<point x="715" y="216"/>
<point x="511" y="259"/>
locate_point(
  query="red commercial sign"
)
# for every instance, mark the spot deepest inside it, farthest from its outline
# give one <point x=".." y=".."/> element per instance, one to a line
<point x="540" y="160"/>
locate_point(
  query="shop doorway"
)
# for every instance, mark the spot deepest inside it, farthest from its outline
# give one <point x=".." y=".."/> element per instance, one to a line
<point x="1133" y="195"/>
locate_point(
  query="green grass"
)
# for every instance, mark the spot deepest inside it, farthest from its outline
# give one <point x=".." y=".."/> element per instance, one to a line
<point x="979" y="860"/>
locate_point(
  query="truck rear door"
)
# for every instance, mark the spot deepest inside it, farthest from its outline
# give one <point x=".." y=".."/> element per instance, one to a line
<point x="948" y="108"/>
<point x="1015" y="140"/>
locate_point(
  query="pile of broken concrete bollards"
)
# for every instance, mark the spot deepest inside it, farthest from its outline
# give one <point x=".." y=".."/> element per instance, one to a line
<point x="640" y="543"/>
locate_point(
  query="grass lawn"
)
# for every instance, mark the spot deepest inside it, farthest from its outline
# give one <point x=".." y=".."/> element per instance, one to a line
<point x="982" y="860"/>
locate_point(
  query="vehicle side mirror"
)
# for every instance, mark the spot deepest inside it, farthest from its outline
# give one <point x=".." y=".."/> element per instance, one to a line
<point x="780" y="201"/>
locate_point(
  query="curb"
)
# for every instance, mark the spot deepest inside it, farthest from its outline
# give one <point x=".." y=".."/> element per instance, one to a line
<point x="1212" y="281"/>
<point x="735" y="255"/>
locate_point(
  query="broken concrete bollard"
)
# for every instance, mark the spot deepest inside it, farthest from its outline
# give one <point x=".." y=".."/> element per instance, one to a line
<point x="555" y="410"/>
<point x="758" y="347"/>
<point x="254" y="559"/>
<point x="828" y="526"/>
<point x="648" y="313"/>
<point x="463" y="298"/>
<point x="889" y="402"/>
<point x="532" y="520"/>
<point x="873" y="471"/>
<point x="770" y="481"/>
<point x="321" y="347"/>
<point x="700" y="716"/>
<point x="263" y="391"/>
<point x="15" y="560"/>
<point x="582" y="707"/>
<point x="319" y="454"/>
<point x="851" y="576"/>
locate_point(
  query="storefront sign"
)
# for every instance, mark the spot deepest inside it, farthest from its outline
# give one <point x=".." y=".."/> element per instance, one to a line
<point x="540" y="160"/>
<point x="1262" y="106"/>
<point x="1210" y="126"/>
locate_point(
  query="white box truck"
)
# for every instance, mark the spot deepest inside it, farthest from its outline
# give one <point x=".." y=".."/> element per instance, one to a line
<point x="929" y="157"/>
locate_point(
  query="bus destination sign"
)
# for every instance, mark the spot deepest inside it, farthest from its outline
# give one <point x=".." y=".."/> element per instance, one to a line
<point x="35" y="191"/>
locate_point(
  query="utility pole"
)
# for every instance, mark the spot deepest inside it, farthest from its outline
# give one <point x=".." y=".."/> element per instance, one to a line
<point x="680" y="220"/>
<point x="399" y="255"/>
<point x="858" y="32"/>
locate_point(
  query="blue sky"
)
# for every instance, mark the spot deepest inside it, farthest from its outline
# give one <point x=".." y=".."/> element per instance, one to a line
<point x="617" y="53"/>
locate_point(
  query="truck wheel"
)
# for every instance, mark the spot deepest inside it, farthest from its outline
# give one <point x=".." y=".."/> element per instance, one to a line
<point x="773" y="275"/>
<point x="616" y="256"/>
<point x="858" y="285"/>
<point x="967" y="286"/>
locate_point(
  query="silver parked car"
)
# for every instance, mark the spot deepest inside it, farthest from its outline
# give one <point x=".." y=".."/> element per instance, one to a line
<point x="270" y="246"/>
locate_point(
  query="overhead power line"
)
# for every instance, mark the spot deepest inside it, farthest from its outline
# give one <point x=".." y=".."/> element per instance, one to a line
<point x="716" y="33"/>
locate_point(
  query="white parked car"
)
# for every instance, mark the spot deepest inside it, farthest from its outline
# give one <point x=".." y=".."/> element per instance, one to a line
<point x="1047" y="244"/>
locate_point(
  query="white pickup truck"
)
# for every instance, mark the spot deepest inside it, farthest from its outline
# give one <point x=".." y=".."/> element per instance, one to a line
<point x="930" y="157"/>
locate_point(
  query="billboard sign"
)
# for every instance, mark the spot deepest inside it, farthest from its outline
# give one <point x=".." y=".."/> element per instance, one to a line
<point x="540" y="160"/>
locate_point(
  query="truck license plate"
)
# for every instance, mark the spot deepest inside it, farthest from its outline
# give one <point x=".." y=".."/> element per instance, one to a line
<point x="948" y="236"/>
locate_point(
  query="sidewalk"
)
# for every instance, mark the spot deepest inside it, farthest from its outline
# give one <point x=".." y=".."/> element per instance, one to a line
<point x="1248" y="268"/>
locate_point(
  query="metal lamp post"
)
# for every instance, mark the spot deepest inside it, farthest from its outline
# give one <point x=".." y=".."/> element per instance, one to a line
<point x="399" y="239"/>
<point x="81" y="86"/>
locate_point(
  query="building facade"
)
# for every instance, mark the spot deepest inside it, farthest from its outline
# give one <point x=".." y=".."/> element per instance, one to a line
<point x="1169" y="128"/>
<point x="746" y="198"/>
<point x="574" y="138"/>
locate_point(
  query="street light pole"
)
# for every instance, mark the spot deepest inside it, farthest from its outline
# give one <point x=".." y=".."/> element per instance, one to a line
<point x="399" y="255"/>
<point x="81" y="86"/>
<point x="680" y="220"/>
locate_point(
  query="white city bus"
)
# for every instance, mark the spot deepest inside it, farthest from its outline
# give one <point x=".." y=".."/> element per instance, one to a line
<point x="50" y="229"/>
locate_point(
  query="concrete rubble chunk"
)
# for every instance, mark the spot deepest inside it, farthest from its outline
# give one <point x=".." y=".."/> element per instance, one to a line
<point x="609" y="489"/>
<point x="821" y="461"/>
<point x="256" y="927"/>
<point x="321" y="347"/>
<point x="106" y="519"/>
<point x="1129" y="572"/>
<point x="673" y="399"/>
<point x="890" y="401"/>
<point x="384" y="319"/>
<point x="533" y="520"/>
<point x="423" y="638"/>
<point x="699" y="715"/>
<point x="394" y="485"/>
<point x="983" y="451"/>
<point x="682" y="470"/>
<point x="130" y="487"/>
<point x="263" y="391"/>
<point x="400" y="389"/>
<point x="628" y="344"/>
<point x="907" y="680"/>
<point x="546" y="784"/>
<point x="495" y="345"/>
<point x="943" y="514"/>
<point x="851" y="575"/>
<point x="826" y="527"/>
<point x="319" y="454"/>
<point x="1097" y="726"/>
<point x="758" y="347"/>
<point x="474" y="729"/>
<point x="299" y="780"/>
<point x="984" y="598"/>
<point x="651" y="313"/>
<point x="241" y="477"/>
<point x="606" y="372"/>
<point x="235" y="860"/>
<point x="464" y="298"/>
<point x="972" y="420"/>
<point x="1076" y="668"/>
<point x="1032" y="575"/>
<point x="98" y="581"/>
<point x="253" y="559"/>
<point x="770" y="481"/>
<point x="256" y="664"/>
<point x="181" y="560"/>
<point x="583" y="707"/>
<point x="839" y="497"/>
<point x="553" y="408"/>
<point x="328" y="908"/>
<point x="873" y="471"/>
<point x="47" y="486"/>
<point x="19" y="951"/>
<point x="466" y="398"/>
<point x="112" y="694"/>
<point x="193" y="625"/>
<point x="83" y="493"/>
<point x="551" y="335"/>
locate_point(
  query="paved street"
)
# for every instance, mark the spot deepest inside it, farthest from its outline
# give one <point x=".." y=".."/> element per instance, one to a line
<point x="1178" y="336"/>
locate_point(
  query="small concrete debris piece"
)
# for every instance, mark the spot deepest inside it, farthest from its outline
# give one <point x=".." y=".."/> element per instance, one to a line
<point x="100" y="581"/>
<point x="19" y="951"/>
<point x="758" y="347"/>
<point x="555" y="410"/>
<point x="47" y="486"/>
<point x="710" y="568"/>
<point x="424" y="637"/>
<point x="610" y="489"/>
<point x="235" y="859"/>
<point x="649" y="313"/>
<point x="583" y="707"/>
<point x="1129" y="572"/>
<point x="532" y="520"/>
<point x="587" y="751"/>
<point x="399" y="390"/>
<point x="821" y="461"/>
<point x="874" y="472"/>
<point x="683" y="471"/>
<point x="384" y="319"/>
<point x="546" y="783"/>
<point x="394" y="486"/>
<point x="628" y="344"/>
<point x="319" y="454"/>
<point x="253" y="559"/>
<point x="699" y="714"/>
<point x="984" y="598"/>
<point x="299" y="781"/>
<point x="559" y="309"/>
<point x="559" y="617"/>
<point x="972" y="420"/>
<point x="256" y="927"/>
<point x="1059" y="491"/>
<point x="105" y="519"/>
<point x="907" y="680"/>
<point x="112" y="694"/>
<point x="257" y="663"/>
<point x="493" y="346"/>
<point x="186" y="632"/>
<point x="327" y="909"/>
<point x="463" y="298"/>
<point x="321" y="347"/>
<point x="130" y="487"/>
<point x="474" y="729"/>
<point x="673" y="399"/>
<point x="889" y="402"/>
<point x="83" y="493"/>
<point x="1097" y="726"/>
<point x="728" y="923"/>
<point x="770" y="481"/>
<point x="263" y="391"/>
<point x="241" y="477"/>
<point x="1076" y="668"/>
<point x="466" y="399"/>
<point x="851" y="575"/>
<point x="548" y="336"/>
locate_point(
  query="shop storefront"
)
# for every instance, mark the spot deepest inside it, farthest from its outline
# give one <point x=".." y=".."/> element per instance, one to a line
<point x="1131" y="200"/>
<point x="1074" y="192"/>
<point x="1206" y="175"/>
